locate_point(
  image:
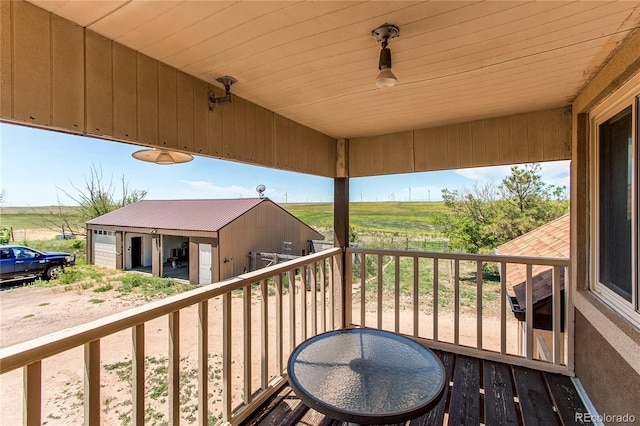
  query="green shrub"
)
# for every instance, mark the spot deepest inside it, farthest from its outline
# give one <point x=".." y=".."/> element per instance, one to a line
<point x="75" y="273"/>
<point x="103" y="288"/>
<point x="5" y="235"/>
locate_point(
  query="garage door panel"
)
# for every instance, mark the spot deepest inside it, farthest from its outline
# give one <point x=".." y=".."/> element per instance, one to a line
<point x="104" y="249"/>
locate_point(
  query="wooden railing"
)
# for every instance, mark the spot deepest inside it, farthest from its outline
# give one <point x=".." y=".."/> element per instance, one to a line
<point x="445" y="299"/>
<point x="275" y="295"/>
<point x="441" y="298"/>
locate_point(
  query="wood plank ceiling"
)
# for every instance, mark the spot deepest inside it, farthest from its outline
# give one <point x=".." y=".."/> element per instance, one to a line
<point x="315" y="62"/>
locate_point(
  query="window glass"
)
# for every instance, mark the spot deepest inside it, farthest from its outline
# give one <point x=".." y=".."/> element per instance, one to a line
<point x="24" y="253"/>
<point x="616" y="203"/>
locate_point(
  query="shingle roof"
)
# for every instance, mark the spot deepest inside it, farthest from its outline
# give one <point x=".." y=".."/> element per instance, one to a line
<point x="190" y="215"/>
<point x="549" y="240"/>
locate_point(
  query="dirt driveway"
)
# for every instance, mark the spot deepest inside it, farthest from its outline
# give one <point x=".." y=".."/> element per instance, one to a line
<point x="27" y="313"/>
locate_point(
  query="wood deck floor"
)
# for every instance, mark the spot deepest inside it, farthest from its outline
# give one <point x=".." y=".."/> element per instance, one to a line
<point x="478" y="392"/>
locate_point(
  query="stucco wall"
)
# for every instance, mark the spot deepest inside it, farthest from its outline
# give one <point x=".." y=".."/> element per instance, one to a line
<point x="612" y="384"/>
<point x="607" y="347"/>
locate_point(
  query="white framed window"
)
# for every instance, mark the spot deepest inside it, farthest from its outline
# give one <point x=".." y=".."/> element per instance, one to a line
<point x="614" y="209"/>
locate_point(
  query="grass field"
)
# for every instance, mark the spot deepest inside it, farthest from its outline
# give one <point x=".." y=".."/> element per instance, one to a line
<point x="391" y="225"/>
<point x="404" y="217"/>
<point x="34" y="217"/>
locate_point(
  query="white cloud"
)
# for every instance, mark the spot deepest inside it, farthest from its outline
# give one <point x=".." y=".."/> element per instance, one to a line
<point x="483" y="174"/>
<point x="552" y="173"/>
<point x="206" y="189"/>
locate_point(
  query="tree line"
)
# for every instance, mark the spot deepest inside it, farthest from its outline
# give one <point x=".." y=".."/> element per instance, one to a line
<point x="485" y="216"/>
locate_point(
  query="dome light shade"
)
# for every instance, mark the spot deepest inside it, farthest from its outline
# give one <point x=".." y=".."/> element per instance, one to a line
<point x="386" y="78"/>
<point x="162" y="156"/>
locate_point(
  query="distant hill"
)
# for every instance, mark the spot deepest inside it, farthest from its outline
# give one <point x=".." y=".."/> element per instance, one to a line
<point x="391" y="217"/>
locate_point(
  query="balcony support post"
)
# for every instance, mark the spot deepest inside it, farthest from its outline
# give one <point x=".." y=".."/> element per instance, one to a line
<point x="341" y="239"/>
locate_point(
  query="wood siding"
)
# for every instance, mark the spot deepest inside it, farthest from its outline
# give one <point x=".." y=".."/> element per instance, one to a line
<point x="262" y="229"/>
<point x="57" y="75"/>
<point x="523" y="138"/>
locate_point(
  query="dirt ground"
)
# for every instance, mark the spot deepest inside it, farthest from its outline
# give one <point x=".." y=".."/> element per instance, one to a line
<point x="41" y="234"/>
<point x="27" y="313"/>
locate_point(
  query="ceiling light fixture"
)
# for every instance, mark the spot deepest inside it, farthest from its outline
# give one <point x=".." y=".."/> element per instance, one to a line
<point x="383" y="34"/>
<point x="162" y="156"/>
<point x="226" y="81"/>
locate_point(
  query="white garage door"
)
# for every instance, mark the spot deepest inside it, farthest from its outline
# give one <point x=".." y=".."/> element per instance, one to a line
<point x="104" y="248"/>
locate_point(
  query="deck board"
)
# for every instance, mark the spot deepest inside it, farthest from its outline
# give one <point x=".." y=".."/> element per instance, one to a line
<point x="566" y="399"/>
<point x="535" y="402"/>
<point x="436" y="415"/>
<point x="498" y="394"/>
<point x="465" y="392"/>
<point x="476" y="392"/>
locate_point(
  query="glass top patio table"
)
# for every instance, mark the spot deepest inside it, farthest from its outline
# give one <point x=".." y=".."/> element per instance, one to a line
<point x="366" y="376"/>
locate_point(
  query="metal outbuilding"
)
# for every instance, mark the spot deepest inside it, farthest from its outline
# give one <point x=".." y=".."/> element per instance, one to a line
<point x="210" y="239"/>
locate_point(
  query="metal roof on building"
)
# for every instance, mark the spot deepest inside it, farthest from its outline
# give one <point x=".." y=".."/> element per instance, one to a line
<point x="549" y="240"/>
<point x="188" y="215"/>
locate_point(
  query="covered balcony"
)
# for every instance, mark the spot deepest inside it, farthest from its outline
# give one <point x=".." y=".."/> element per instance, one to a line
<point x="439" y="299"/>
<point x="478" y="84"/>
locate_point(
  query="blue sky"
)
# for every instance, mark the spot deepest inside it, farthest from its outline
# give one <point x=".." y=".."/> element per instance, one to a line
<point x="37" y="166"/>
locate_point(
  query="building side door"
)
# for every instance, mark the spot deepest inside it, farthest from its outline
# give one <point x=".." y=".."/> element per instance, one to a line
<point x="136" y="252"/>
<point x="204" y="263"/>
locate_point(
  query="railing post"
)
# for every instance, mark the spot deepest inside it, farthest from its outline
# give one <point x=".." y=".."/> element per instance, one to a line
<point x="323" y="296"/>
<point x="264" y="333"/>
<point x="570" y="318"/>
<point x="363" y="288"/>
<point x="226" y="357"/>
<point x="436" y="284"/>
<point x="303" y="302"/>
<point x="246" y="307"/>
<point x="456" y="297"/>
<point x="479" y="282"/>
<point x="314" y="298"/>
<point x="555" y="304"/>
<point x="137" y="380"/>
<point x="380" y="272"/>
<point x="174" y="368"/>
<point x="92" y="383"/>
<point x="279" y="345"/>
<point x="416" y="297"/>
<point x="503" y="308"/>
<point x="396" y="296"/>
<point x="203" y="363"/>
<point x="291" y="278"/>
<point x="32" y="377"/>
<point x="529" y="313"/>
